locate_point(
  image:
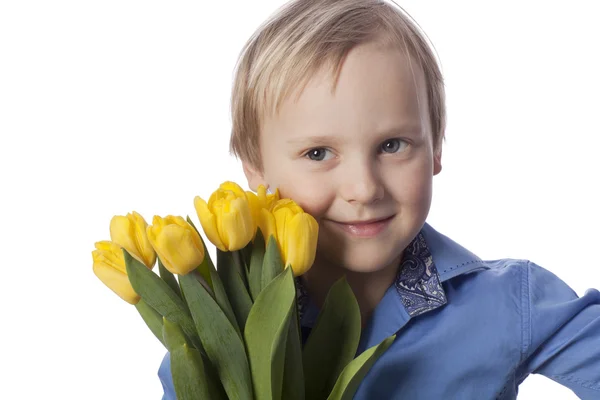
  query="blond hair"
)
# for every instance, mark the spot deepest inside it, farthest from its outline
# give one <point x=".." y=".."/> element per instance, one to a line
<point x="301" y="38"/>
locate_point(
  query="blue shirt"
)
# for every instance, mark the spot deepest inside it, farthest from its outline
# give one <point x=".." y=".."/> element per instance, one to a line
<point x="472" y="329"/>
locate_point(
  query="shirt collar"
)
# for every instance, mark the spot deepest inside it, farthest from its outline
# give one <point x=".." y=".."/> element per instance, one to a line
<point x="418" y="283"/>
<point x="450" y="258"/>
<point x="430" y="259"/>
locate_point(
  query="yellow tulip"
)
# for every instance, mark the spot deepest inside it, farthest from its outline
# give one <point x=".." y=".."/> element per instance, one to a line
<point x="266" y="223"/>
<point x="296" y="233"/>
<point x="129" y="232"/>
<point x="177" y="244"/>
<point x="109" y="267"/>
<point x="259" y="201"/>
<point x="227" y="218"/>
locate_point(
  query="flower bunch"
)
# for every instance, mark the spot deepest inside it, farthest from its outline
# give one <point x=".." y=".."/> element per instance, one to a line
<point x="233" y="330"/>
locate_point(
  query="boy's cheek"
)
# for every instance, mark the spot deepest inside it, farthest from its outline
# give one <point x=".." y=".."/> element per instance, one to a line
<point x="313" y="199"/>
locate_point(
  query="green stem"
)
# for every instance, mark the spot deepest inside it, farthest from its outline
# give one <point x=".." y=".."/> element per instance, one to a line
<point x="238" y="260"/>
<point x="168" y="277"/>
<point x="152" y="318"/>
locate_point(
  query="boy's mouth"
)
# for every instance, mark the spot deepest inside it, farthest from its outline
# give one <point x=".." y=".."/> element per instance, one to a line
<point x="366" y="228"/>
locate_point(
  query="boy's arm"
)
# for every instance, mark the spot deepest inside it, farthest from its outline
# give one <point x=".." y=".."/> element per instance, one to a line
<point x="164" y="374"/>
<point x="561" y="332"/>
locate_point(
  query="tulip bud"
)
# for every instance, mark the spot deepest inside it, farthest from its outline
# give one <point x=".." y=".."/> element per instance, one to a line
<point x="129" y="232"/>
<point x="296" y="233"/>
<point x="227" y="218"/>
<point x="261" y="200"/>
<point x="177" y="244"/>
<point x="109" y="267"/>
<point x="266" y="223"/>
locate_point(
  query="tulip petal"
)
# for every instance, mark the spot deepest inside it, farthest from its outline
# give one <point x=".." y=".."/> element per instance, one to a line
<point x="158" y="222"/>
<point x="302" y="234"/>
<point x="116" y="281"/>
<point x="267" y="200"/>
<point x="181" y="253"/>
<point x="289" y="204"/>
<point x="233" y="187"/>
<point x="177" y="244"/>
<point x="143" y="244"/>
<point x="109" y="253"/>
<point x="238" y="225"/>
<point x="129" y="232"/>
<point x="267" y="225"/>
<point x="208" y="222"/>
<point x="120" y="229"/>
<point x="254" y="205"/>
<point x="282" y="218"/>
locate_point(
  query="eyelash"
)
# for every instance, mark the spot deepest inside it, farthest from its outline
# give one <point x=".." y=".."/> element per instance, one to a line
<point x="398" y="140"/>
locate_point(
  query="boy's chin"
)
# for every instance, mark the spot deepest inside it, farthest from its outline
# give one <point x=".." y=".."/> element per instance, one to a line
<point x="370" y="268"/>
<point x="365" y="263"/>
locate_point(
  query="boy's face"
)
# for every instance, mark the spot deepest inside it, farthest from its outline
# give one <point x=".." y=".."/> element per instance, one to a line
<point x="362" y="153"/>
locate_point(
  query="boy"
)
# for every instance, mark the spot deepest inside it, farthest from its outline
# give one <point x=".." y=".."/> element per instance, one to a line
<point x="340" y="105"/>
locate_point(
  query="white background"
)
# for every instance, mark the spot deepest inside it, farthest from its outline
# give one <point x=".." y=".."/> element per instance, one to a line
<point x="112" y="106"/>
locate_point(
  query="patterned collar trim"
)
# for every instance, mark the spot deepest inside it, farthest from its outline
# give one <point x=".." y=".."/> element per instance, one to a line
<point x="417" y="283"/>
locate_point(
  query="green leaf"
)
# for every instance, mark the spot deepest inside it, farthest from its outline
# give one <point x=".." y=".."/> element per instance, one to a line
<point x="293" y="374"/>
<point x="152" y="318"/>
<point x="246" y="253"/>
<point x="200" y="368"/>
<point x="189" y="378"/>
<point x="356" y="370"/>
<point x="240" y="265"/>
<point x="222" y="343"/>
<point x="209" y="273"/>
<point x="168" y="277"/>
<point x="272" y="263"/>
<point x="172" y="334"/>
<point x="266" y="334"/>
<point x="333" y="341"/>
<point x="222" y="300"/>
<point x="207" y="263"/>
<point x="237" y="293"/>
<point x="160" y="296"/>
<point x="256" y="264"/>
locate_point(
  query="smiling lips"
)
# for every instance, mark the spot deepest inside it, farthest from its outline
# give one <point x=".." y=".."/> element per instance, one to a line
<point x="365" y="229"/>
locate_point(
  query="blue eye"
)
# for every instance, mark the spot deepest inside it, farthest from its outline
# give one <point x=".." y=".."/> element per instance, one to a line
<point x="393" y="145"/>
<point x="317" y="154"/>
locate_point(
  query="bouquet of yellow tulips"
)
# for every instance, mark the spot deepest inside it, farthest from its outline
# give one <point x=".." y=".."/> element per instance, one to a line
<point x="233" y="331"/>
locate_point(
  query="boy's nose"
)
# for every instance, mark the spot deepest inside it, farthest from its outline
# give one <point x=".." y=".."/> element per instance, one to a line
<point x="361" y="184"/>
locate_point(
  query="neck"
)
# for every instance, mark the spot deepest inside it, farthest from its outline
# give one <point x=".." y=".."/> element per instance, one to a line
<point x="368" y="287"/>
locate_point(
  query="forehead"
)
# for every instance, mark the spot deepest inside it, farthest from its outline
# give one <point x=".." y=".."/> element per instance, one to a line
<point x="378" y="88"/>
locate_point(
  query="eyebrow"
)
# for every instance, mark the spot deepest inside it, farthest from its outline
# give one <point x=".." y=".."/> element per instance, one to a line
<point x="386" y="133"/>
<point x="316" y="140"/>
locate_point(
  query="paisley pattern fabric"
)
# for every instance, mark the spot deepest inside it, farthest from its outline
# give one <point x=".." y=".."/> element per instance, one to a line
<point x="417" y="283"/>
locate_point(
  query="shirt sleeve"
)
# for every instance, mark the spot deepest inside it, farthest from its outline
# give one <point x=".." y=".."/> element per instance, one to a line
<point x="561" y="332"/>
<point x="164" y="374"/>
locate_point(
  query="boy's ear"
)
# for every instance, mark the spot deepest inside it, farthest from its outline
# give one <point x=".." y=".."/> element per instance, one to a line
<point x="253" y="175"/>
<point x="437" y="161"/>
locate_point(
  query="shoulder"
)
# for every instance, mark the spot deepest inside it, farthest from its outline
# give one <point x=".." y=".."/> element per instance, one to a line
<point x="457" y="266"/>
<point x="492" y="282"/>
<point x="453" y="260"/>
